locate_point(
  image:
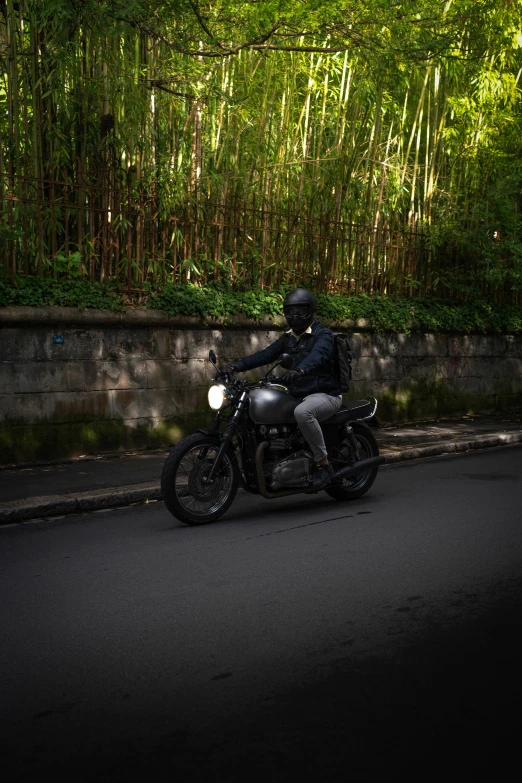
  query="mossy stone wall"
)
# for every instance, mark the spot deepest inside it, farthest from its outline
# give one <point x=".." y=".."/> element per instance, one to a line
<point x="75" y="383"/>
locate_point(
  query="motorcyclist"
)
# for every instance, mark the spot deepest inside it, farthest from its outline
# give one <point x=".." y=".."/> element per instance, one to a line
<point x="310" y="377"/>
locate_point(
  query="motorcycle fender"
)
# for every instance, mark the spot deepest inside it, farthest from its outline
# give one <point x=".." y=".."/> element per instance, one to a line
<point x="373" y="422"/>
<point x="334" y="433"/>
<point x="211" y="433"/>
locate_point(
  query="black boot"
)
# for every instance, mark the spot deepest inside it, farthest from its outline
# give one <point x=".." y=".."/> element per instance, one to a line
<point x="322" y="476"/>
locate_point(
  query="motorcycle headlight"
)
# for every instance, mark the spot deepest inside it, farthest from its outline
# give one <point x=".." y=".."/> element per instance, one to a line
<point x="216" y="396"/>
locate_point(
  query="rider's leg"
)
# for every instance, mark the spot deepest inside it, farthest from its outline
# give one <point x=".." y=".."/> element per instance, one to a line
<point x="308" y="414"/>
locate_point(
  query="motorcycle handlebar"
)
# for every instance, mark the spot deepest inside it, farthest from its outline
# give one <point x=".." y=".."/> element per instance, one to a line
<point x="223" y="374"/>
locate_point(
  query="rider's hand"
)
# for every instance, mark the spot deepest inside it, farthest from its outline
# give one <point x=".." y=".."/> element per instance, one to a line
<point x="291" y="376"/>
<point x="227" y="369"/>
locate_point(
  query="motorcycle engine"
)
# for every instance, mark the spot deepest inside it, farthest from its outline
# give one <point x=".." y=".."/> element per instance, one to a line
<point x="294" y="471"/>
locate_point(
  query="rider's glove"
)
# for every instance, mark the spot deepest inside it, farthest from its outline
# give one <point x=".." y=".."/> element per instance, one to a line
<point x="227" y="369"/>
<point x="291" y="376"/>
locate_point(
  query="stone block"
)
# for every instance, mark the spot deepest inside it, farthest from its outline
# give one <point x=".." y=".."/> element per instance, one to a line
<point x="161" y="340"/>
<point x="135" y="342"/>
<point x="503" y="385"/>
<point x="453" y="367"/>
<point x="19" y="345"/>
<point x="434" y="345"/>
<point x="196" y="401"/>
<point x="384" y="345"/>
<point x="480" y="367"/>
<point x="162" y="374"/>
<point x="78" y="406"/>
<point x="78" y="344"/>
<point x="374" y="368"/>
<point x="365" y="342"/>
<point x="475" y="345"/>
<point x="130" y="373"/>
<point x="418" y="344"/>
<point x="39" y="376"/>
<point x="145" y="403"/>
<point x="362" y="370"/>
<point x="417" y="367"/>
<point x="22" y="407"/>
<point x="475" y="387"/>
<point x="510" y="344"/>
<point x="228" y="344"/>
<point x="493" y="368"/>
<point x="496" y="345"/>
<point x="75" y="376"/>
<point x="236" y="344"/>
<point x="509" y="368"/>
<point x="142" y="405"/>
<point x="194" y="344"/>
<point x="130" y="403"/>
<point x="6" y="378"/>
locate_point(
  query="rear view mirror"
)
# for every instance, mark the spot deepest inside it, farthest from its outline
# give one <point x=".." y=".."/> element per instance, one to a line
<point x="285" y="360"/>
<point x="212" y="357"/>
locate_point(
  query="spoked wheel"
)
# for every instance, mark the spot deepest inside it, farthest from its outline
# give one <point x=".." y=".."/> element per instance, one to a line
<point x="186" y="492"/>
<point x="356" y="486"/>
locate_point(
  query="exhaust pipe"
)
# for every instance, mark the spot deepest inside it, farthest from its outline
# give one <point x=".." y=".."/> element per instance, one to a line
<point x="359" y="467"/>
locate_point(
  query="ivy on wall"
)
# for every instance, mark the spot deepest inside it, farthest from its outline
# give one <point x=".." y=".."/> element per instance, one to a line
<point x="217" y="301"/>
<point x="35" y="291"/>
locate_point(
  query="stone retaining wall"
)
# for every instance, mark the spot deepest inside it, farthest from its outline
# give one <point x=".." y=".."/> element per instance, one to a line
<point x="74" y="383"/>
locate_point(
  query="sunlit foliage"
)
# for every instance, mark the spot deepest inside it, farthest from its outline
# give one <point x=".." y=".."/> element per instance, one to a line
<point x="382" y="111"/>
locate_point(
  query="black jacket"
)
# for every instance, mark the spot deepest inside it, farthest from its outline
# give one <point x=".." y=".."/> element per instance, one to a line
<point x="313" y="353"/>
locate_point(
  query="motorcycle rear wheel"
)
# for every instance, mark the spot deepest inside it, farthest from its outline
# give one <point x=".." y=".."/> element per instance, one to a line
<point x="355" y="487"/>
<point x="183" y="487"/>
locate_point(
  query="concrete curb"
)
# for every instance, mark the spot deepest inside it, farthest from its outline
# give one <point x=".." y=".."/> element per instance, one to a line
<point x="95" y="500"/>
<point x="454" y="447"/>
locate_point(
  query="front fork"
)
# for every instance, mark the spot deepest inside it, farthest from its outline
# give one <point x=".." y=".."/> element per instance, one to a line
<point x="227" y="439"/>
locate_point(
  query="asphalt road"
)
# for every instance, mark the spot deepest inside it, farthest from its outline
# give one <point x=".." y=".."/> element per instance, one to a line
<point x="299" y="637"/>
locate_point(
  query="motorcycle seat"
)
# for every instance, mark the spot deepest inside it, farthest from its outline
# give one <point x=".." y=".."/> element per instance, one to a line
<point x="357" y="409"/>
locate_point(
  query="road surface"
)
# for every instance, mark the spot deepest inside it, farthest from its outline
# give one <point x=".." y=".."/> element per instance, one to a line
<point x="298" y="636"/>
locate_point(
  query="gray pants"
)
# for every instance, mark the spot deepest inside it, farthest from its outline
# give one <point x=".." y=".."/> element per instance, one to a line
<point x="308" y="414"/>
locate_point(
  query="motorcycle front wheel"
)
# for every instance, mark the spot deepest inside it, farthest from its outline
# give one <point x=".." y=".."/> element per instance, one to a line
<point x="185" y="493"/>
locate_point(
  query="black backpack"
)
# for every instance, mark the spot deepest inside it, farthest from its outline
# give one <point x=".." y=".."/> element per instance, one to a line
<point x="342" y="370"/>
<point x="342" y="361"/>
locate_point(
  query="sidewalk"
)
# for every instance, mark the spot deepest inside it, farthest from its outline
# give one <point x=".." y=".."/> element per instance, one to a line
<point x="93" y="483"/>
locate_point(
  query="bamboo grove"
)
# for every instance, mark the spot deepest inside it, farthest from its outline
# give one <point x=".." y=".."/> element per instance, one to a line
<point x="366" y="147"/>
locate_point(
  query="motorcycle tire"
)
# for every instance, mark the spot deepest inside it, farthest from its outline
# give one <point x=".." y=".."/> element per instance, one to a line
<point x="184" y="492"/>
<point x="354" y="488"/>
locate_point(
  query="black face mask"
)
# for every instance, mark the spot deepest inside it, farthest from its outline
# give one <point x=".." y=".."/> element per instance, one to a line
<point x="298" y="317"/>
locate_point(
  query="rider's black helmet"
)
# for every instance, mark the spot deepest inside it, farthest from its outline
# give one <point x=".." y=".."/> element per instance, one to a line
<point x="299" y="309"/>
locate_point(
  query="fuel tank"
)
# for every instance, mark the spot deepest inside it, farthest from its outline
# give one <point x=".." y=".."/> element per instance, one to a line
<point x="272" y="406"/>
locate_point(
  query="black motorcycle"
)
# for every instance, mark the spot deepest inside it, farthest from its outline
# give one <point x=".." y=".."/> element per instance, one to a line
<point x="254" y="441"/>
